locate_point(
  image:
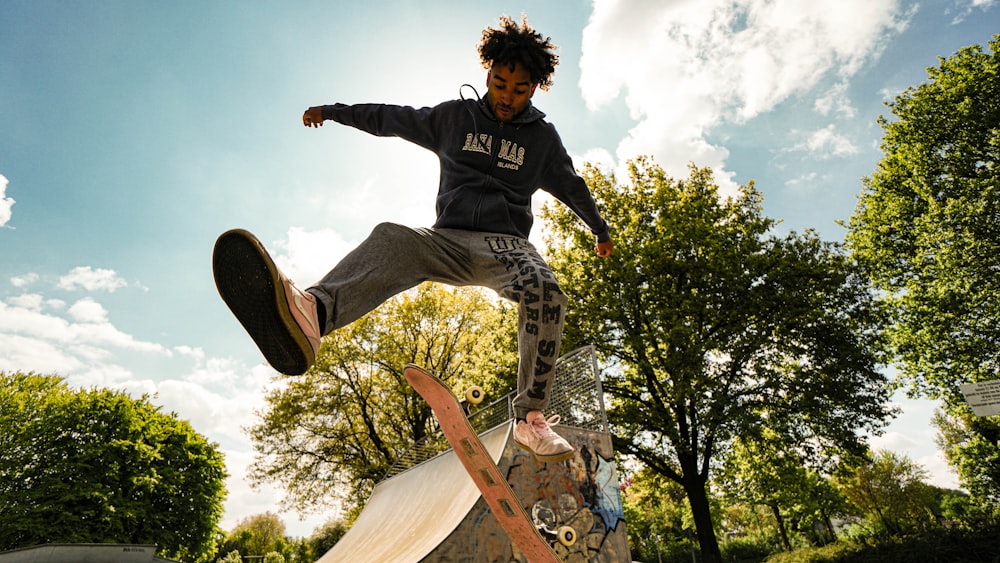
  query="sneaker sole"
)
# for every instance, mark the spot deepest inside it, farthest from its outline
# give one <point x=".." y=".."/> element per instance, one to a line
<point x="250" y="284"/>
<point x="552" y="458"/>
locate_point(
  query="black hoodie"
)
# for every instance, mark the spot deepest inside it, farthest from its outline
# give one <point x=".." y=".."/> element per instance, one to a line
<point x="489" y="169"/>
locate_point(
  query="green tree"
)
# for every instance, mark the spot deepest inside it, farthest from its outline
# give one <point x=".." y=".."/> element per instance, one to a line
<point x="96" y="466"/>
<point x="333" y="432"/>
<point x="257" y="535"/>
<point x="711" y="324"/>
<point x="927" y="228"/>
<point x="971" y="444"/>
<point x="659" y="520"/>
<point x="927" y="225"/>
<point x="237" y="541"/>
<point x="771" y="473"/>
<point x="890" y="491"/>
<point x="299" y="551"/>
<point x="817" y="504"/>
<point x="326" y="536"/>
<point x="764" y="472"/>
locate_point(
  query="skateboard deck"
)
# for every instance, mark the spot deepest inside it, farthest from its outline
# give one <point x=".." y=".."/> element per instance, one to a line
<point x="480" y="466"/>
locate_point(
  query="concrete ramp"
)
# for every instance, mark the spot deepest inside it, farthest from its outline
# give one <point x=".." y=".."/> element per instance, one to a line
<point x="412" y="513"/>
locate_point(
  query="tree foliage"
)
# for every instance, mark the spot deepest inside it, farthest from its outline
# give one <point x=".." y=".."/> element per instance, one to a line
<point x="770" y="472"/>
<point x="710" y="324"/>
<point x="257" y="535"/>
<point x="927" y="225"/>
<point x="971" y="444"/>
<point x="326" y="536"/>
<point x="333" y="432"/>
<point x="927" y="229"/>
<point x="658" y="517"/>
<point x="890" y="491"/>
<point x="97" y="466"/>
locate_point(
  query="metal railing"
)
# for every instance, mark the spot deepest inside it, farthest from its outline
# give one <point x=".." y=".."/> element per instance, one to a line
<point x="576" y="397"/>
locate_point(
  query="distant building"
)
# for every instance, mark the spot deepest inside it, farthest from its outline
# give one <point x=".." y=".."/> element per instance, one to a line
<point x="84" y="553"/>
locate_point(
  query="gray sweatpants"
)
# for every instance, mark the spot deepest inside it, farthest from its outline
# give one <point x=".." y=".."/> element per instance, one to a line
<point x="395" y="258"/>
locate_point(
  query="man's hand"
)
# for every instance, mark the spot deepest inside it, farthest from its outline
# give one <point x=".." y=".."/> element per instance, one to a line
<point x="604" y="249"/>
<point x="313" y="117"/>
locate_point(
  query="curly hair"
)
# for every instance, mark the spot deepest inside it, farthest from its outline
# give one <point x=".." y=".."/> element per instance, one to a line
<point x="513" y="44"/>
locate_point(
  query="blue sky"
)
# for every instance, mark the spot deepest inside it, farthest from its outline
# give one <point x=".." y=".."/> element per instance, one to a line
<point x="133" y="133"/>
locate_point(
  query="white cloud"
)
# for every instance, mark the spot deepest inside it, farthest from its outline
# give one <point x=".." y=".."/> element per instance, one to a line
<point x="25" y="317"/>
<point x="6" y="203"/>
<point x="805" y="182"/>
<point x="25" y="280"/>
<point x="835" y="100"/>
<point x="826" y="143"/>
<point x="598" y="157"/>
<point x="196" y="353"/>
<point x="374" y="192"/>
<point x="966" y="7"/>
<point x="87" y="310"/>
<point x="684" y="66"/>
<point x="91" y="279"/>
<point x="27" y="353"/>
<point x="29" y="301"/>
<point x="218" y="396"/>
<point x="33" y="337"/>
<point x="306" y="256"/>
<point x="30" y="321"/>
<point x="890" y="94"/>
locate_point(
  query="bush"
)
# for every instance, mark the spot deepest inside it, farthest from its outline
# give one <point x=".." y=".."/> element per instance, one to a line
<point x="747" y="549"/>
<point x="836" y="552"/>
<point x="953" y="546"/>
<point x="667" y="552"/>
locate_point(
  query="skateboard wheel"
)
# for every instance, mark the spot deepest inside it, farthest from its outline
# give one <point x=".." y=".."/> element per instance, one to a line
<point x="567" y="536"/>
<point x="474" y="395"/>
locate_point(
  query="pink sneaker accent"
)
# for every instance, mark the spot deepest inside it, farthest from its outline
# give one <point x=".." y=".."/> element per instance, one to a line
<point x="302" y="305"/>
<point x="536" y="435"/>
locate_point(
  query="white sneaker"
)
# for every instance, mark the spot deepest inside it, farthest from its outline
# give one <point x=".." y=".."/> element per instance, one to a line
<point x="536" y="436"/>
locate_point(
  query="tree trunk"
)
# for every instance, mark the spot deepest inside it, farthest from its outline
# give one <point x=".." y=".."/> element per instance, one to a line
<point x="829" y="526"/>
<point x="702" y="513"/>
<point x="781" y="526"/>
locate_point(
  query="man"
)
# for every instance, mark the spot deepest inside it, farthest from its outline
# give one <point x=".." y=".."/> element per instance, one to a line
<point x="494" y="153"/>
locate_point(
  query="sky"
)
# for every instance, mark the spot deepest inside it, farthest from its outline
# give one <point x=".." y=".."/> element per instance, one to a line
<point x="133" y="133"/>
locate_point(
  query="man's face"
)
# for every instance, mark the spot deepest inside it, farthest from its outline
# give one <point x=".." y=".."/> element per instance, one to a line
<point x="508" y="91"/>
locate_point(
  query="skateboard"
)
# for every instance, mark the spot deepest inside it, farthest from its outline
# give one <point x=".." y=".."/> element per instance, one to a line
<point x="498" y="495"/>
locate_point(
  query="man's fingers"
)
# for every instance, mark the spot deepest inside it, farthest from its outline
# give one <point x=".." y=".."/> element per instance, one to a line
<point x="309" y="119"/>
